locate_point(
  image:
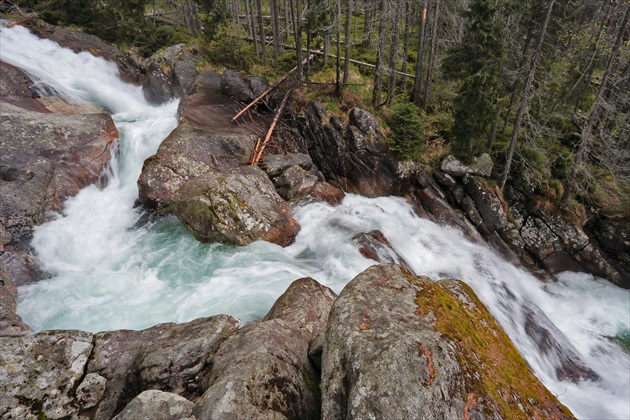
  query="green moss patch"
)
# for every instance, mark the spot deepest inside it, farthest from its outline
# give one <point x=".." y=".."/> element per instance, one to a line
<point x="494" y="369"/>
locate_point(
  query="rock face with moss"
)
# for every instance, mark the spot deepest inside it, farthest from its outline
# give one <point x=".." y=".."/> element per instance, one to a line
<point x="236" y="207"/>
<point x="400" y="346"/>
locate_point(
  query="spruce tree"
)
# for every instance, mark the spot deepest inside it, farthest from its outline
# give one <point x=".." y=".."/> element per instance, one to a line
<point x="476" y="63"/>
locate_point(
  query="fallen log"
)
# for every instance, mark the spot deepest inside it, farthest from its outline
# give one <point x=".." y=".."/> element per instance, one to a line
<point x="265" y="93"/>
<point x="260" y="147"/>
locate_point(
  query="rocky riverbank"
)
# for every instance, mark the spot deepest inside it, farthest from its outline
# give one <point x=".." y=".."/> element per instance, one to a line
<point x="313" y="355"/>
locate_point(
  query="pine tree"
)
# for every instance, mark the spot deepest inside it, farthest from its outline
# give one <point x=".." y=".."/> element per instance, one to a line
<point x="477" y="63"/>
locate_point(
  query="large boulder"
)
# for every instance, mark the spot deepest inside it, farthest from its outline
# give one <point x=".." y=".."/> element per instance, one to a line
<point x="46" y="158"/>
<point x="169" y="357"/>
<point x="263" y="370"/>
<point x="235" y="86"/>
<point x="237" y="207"/>
<point x="169" y="73"/>
<point x="185" y="154"/>
<point x="40" y="374"/>
<point x="450" y="358"/>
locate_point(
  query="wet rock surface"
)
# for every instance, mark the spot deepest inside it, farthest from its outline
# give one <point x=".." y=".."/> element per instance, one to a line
<point x="387" y="320"/>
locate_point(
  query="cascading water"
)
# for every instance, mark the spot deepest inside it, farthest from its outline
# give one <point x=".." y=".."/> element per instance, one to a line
<point x="109" y="270"/>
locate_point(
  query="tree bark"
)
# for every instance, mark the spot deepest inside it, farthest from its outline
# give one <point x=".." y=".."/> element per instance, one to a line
<point x="405" y="62"/>
<point x="433" y="51"/>
<point x="275" y="27"/>
<point x="378" y="73"/>
<point x="261" y="28"/>
<point x="526" y="92"/>
<point x="348" y="39"/>
<point x="417" y="87"/>
<point x="393" y="53"/>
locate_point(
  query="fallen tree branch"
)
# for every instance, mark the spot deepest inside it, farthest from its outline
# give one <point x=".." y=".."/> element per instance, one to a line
<point x="260" y="147"/>
<point x="265" y="93"/>
<point x="21" y="21"/>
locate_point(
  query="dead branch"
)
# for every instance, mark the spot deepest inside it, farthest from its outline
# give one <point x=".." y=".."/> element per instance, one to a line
<point x="265" y="93"/>
<point x="260" y="147"/>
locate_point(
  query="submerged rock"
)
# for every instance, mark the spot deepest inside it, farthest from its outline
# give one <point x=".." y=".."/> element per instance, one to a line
<point x="450" y="358"/>
<point x="236" y="207"/>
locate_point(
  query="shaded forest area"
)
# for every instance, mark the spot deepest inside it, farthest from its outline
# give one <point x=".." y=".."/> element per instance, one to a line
<point x="542" y="85"/>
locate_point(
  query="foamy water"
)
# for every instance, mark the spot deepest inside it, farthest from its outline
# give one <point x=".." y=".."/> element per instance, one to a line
<point x="110" y="269"/>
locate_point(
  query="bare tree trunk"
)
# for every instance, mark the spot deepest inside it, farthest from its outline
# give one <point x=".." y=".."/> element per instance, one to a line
<point x="309" y="36"/>
<point x="493" y="130"/>
<point x="367" y="26"/>
<point x="594" y="112"/>
<point x="417" y="87"/>
<point x="406" y="43"/>
<point x="338" y="63"/>
<point x="433" y="51"/>
<point x="515" y="85"/>
<point x="296" y="17"/>
<point x="261" y="28"/>
<point x="251" y="26"/>
<point x="348" y="39"/>
<point x="378" y="73"/>
<point x="326" y="47"/>
<point x="393" y="52"/>
<point x="275" y="26"/>
<point x="525" y="95"/>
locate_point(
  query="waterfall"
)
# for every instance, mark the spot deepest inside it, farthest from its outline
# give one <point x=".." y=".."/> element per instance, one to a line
<point x="110" y="268"/>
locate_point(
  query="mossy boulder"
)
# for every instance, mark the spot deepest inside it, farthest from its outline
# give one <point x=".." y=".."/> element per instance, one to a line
<point x="401" y="346"/>
<point x="187" y="153"/>
<point x="236" y="207"/>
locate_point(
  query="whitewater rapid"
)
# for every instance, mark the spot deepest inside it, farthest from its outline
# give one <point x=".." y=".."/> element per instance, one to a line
<point x="112" y="268"/>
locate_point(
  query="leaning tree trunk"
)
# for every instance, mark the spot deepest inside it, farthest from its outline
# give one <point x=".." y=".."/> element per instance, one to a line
<point x="526" y="92"/>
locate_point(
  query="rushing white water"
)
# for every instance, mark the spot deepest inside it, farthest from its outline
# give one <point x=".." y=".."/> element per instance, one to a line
<point x="111" y="270"/>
